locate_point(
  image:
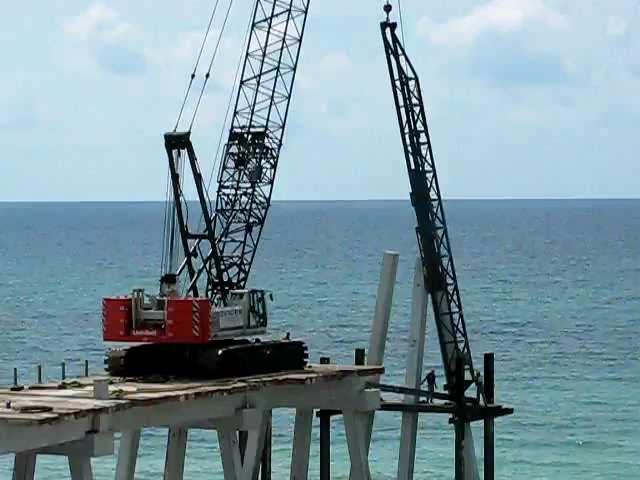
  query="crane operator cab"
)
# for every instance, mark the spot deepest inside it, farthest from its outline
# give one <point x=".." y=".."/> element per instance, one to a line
<point x="246" y="313"/>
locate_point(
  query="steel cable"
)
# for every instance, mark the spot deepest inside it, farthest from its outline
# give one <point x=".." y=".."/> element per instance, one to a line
<point x="401" y="21"/>
<point x="195" y="68"/>
<point x="213" y="57"/>
<point x="217" y="157"/>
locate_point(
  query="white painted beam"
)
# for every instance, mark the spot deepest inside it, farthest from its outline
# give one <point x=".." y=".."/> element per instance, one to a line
<point x="325" y="395"/>
<point x="413" y="373"/>
<point x="128" y="455"/>
<point x="173" y="413"/>
<point x="301" y="444"/>
<point x="245" y="419"/>
<point x="20" y="438"/>
<point x="93" y="445"/>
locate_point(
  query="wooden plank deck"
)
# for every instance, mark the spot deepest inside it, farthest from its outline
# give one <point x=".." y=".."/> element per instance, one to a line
<point x="46" y="403"/>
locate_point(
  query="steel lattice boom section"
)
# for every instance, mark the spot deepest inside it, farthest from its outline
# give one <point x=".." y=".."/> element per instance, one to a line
<point x="433" y="239"/>
<point x="250" y="158"/>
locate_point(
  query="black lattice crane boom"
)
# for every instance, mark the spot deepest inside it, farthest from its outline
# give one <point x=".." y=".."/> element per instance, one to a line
<point x="426" y="199"/>
<point x="250" y="159"/>
<point x="222" y="252"/>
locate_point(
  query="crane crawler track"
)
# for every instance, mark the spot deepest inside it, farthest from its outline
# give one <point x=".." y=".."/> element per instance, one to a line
<point x="216" y="359"/>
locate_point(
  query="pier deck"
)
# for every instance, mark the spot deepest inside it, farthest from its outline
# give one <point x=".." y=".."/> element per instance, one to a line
<point x="78" y="418"/>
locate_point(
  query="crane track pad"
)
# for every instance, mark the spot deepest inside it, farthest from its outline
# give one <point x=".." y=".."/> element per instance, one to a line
<point x="216" y="359"/>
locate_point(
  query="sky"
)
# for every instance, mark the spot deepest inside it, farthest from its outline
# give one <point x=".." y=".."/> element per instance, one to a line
<point x="525" y="98"/>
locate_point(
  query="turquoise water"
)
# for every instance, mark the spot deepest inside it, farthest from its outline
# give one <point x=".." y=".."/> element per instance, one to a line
<point x="553" y="287"/>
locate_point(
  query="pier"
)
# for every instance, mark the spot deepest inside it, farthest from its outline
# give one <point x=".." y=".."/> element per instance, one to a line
<point x="82" y="418"/>
<point x="79" y="419"/>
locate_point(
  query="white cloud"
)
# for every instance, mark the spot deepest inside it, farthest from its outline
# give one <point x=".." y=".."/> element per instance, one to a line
<point x="98" y="20"/>
<point x="180" y="52"/>
<point x="330" y="68"/>
<point x="334" y="93"/>
<point x="335" y="62"/>
<point x="103" y="35"/>
<point x="494" y="16"/>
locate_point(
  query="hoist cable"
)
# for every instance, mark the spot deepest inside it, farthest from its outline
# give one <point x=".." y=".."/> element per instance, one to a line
<point x="217" y="157"/>
<point x="213" y="57"/>
<point x="167" y="241"/>
<point x="401" y="21"/>
<point x="195" y="68"/>
<point x="163" y="265"/>
<point x="230" y="102"/>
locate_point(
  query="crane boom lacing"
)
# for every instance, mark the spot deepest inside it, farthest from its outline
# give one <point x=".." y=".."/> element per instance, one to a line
<point x="433" y="238"/>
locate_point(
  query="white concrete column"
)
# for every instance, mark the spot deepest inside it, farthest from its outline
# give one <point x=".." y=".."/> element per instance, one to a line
<point x="471" y="471"/>
<point x="355" y="424"/>
<point x="255" y="446"/>
<point x="80" y="467"/>
<point x="176" y="449"/>
<point x="24" y="466"/>
<point x="235" y="468"/>
<point x="229" y="452"/>
<point x="380" y="326"/>
<point x="128" y="455"/>
<point x="384" y="299"/>
<point x="301" y="444"/>
<point x="413" y="373"/>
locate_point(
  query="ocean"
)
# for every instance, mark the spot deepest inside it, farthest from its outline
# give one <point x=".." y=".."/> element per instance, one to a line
<point x="552" y="287"/>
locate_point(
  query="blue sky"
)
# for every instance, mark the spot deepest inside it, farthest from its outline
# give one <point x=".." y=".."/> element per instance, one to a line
<point x="525" y="98"/>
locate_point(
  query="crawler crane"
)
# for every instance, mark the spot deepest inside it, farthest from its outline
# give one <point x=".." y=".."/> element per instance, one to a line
<point x="201" y="321"/>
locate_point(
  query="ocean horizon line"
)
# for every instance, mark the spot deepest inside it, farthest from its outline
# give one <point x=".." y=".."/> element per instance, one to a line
<point x="348" y="200"/>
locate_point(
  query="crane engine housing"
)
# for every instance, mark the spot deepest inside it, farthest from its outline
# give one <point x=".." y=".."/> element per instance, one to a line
<point x="172" y="319"/>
